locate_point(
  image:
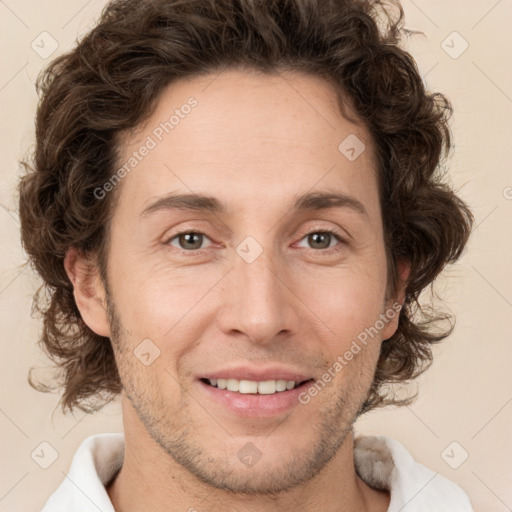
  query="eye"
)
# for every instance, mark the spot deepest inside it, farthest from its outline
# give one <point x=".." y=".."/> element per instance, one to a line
<point x="322" y="240"/>
<point x="188" y="240"/>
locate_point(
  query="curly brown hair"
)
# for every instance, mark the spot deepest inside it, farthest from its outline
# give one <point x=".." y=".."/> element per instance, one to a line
<point x="111" y="81"/>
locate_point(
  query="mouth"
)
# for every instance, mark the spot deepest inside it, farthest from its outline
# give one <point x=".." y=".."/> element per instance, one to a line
<point x="254" y="398"/>
<point x="254" y="391"/>
<point x="253" y="387"/>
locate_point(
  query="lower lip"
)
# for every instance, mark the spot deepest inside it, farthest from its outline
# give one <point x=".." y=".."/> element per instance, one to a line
<point x="255" y="405"/>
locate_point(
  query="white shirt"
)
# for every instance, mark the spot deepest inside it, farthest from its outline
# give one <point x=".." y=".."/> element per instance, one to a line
<point x="380" y="461"/>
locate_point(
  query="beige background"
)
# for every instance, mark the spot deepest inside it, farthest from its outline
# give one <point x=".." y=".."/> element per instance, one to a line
<point x="465" y="397"/>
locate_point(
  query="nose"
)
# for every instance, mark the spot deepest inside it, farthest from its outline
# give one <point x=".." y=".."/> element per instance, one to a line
<point x="257" y="301"/>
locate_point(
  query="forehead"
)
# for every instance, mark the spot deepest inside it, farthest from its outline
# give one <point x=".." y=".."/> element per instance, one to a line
<point x="245" y="137"/>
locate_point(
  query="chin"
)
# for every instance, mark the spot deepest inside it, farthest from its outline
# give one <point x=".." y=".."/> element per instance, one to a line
<point x="255" y="465"/>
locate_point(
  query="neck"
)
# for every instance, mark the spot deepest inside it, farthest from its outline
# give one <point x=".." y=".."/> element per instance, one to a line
<point x="150" y="479"/>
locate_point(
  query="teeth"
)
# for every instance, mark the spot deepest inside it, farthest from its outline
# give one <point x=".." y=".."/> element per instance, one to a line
<point x="247" y="386"/>
<point x="280" y="385"/>
<point x="266" y="387"/>
<point x="233" y="385"/>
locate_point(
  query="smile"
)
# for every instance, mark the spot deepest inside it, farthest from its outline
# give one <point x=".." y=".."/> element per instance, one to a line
<point x="265" y="387"/>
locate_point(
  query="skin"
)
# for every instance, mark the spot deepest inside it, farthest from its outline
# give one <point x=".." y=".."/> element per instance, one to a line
<point x="254" y="142"/>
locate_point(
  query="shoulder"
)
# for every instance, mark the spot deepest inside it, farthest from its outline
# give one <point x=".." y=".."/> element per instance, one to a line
<point x="384" y="463"/>
<point x="95" y="462"/>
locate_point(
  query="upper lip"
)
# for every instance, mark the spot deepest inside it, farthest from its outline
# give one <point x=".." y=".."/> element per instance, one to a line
<point x="257" y="374"/>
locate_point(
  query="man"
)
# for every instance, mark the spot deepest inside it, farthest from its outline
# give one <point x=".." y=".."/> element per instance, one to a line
<point x="235" y="206"/>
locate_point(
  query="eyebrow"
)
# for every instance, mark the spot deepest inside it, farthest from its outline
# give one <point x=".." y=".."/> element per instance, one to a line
<point x="204" y="203"/>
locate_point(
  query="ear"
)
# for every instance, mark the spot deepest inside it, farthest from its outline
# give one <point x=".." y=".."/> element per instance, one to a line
<point x="394" y="304"/>
<point x="88" y="290"/>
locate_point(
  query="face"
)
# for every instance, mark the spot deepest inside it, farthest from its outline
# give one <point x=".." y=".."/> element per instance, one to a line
<point x="256" y="281"/>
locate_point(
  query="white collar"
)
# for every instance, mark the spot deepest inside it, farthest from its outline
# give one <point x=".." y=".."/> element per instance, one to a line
<point x="380" y="461"/>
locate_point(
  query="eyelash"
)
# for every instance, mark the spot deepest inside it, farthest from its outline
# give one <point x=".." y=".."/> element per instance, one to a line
<point x="328" y="250"/>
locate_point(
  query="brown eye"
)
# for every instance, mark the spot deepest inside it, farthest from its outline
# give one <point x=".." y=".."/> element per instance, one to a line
<point x="188" y="240"/>
<point x="322" y="240"/>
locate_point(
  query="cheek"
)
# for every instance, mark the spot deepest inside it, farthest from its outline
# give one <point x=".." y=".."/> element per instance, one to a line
<point x="166" y="305"/>
<point x="351" y="309"/>
<point x="347" y="303"/>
